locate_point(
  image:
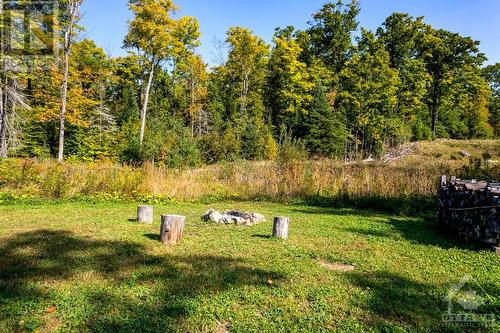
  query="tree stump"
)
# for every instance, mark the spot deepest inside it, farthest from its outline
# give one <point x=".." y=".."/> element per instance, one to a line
<point x="280" y="227"/>
<point x="145" y="214"/>
<point x="172" y="228"/>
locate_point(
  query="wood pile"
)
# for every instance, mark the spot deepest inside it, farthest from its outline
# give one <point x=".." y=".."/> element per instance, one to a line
<point x="471" y="209"/>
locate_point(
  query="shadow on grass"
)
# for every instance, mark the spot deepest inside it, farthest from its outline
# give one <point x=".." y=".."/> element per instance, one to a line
<point x="425" y="231"/>
<point x="412" y="205"/>
<point x="417" y="230"/>
<point x="114" y="285"/>
<point x="393" y="300"/>
<point x="154" y="237"/>
<point x="262" y="236"/>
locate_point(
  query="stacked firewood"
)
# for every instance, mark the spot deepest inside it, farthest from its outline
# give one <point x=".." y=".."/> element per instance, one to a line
<point x="471" y="209"/>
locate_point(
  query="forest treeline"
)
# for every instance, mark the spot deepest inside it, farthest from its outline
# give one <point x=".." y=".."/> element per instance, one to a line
<point x="334" y="90"/>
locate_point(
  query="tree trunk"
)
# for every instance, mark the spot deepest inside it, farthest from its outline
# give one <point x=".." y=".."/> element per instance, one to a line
<point x="280" y="227"/>
<point x="64" y="98"/>
<point x="74" y="16"/>
<point x="435" y="104"/>
<point x="3" y="129"/>
<point x="191" y="106"/>
<point x="244" y="93"/>
<point x="434" y="119"/>
<point x="145" y="214"/>
<point x="172" y="229"/>
<point x="145" y="103"/>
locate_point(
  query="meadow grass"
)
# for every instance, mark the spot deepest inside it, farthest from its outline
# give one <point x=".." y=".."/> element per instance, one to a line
<point x="404" y="185"/>
<point x="76" y="266"/>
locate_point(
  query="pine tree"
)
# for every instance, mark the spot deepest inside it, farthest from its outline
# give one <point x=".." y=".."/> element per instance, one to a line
<point x="326" y="130"/>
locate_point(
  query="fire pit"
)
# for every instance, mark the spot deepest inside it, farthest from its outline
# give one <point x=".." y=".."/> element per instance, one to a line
<point x="233" y="217"/>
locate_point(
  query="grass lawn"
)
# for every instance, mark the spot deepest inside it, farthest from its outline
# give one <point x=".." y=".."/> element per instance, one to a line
<point x="89" y="267"/>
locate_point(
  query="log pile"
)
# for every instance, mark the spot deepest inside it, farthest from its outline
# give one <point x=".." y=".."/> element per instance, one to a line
<point x="471" y="209"/>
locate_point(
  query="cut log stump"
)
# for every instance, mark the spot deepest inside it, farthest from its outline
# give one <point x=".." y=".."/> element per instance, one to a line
<point x="145" y="214"/>
<point x="280" y="227"/>
<point x="172" y="228"/>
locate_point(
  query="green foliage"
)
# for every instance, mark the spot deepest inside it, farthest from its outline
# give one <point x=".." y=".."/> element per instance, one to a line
<point x="480" y="168"/>
<point x="271" y="148"/>
<point x="492" y="75"/>
<point x="326" y="132"/>
<point x="157" y="199"/>
<point x="370" y="96"/>
<point x="339" y="96"/>
<point x="252" y="142"/>
<point x="292" y="150"/>
<point x="177" y="149"/>
<point x="288" y="88"/>
<point x="331" y="33"/>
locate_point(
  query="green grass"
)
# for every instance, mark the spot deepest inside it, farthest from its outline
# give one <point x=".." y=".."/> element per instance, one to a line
<point x="89" y="267"/>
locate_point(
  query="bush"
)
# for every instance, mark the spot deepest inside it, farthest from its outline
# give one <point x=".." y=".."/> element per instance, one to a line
<point x="168" y="143"/>
<point x="292" y="150"/>
<point x="480" y="168"/>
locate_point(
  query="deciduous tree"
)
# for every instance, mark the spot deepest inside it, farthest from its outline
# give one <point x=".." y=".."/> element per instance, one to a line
<point x="158" y="38"/>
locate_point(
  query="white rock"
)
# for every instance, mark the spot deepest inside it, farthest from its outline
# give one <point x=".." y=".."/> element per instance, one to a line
<point x="216" y="217"/>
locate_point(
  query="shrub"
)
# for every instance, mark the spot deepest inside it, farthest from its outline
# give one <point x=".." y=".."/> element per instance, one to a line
<point x="480" y="168"/>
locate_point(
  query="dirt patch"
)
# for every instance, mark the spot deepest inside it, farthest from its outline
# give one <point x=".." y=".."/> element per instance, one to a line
<point x="336" y="266"/>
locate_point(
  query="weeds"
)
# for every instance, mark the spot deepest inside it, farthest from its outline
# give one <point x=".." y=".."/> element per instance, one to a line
<point x="405" y="186"/>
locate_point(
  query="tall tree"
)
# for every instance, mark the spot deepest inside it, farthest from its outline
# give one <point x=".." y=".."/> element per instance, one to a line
<point x="193" y="84"/>
<point x="369" y="98"/>
<point x="248" y="56"/>
<point x="331" y="33"/>
<point x="87" y="103"/>
<point x="12" y="83"/>
<point x="158" y="38"/>
<point x="492" y="75"/>
<point x="289" y="86"/>
<point x="400" y="34"/>
<point x="326" y="133"/>
<point x="71" y="15"/>
<point x="444" y="53"/>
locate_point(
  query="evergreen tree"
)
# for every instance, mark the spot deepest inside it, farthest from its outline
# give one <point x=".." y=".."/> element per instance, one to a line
<point x="326" y="130"/>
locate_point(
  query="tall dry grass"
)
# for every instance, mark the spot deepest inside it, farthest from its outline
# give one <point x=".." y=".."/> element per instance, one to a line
<point x="238" y="180"/>
<point x="411" y="180"/>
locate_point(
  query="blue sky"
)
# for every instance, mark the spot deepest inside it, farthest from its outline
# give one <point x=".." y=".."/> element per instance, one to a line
<point x="106" y="20"/>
